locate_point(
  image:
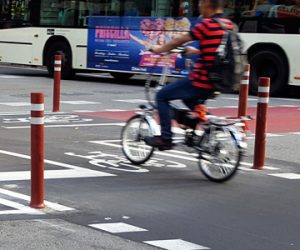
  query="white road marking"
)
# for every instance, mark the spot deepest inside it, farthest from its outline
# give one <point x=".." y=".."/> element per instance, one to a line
<point x="274" y="135"/>
<point x="53" y="174"/>
<point x="79" y="102"/>
<point x="11" y="76"/>
<point x="115" y="110"/>
<point x="52" y="205"/>
<point x="290" y="176"/>
<point x="288" y="106"/>
<point x="117" y="227"/>
<point x="175" y="244"/>
<point x="132" y="100"/>
<point x="16" y="113"/>
<point x="71" y="172"/>
<point x="18" y="208"/>
<point x="15" y="104"/>
<point x="237" y="98"/>
<point x="20" y="104"/>
<point x="177" y="154"/>
<point x="251" y="165"/>
<point x="70" y="125"/>
<point x="83" y="111"/>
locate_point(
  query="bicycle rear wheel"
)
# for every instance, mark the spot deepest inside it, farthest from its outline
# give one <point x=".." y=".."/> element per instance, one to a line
<point x="132" y="138"/>
<point x="220" y="155"/>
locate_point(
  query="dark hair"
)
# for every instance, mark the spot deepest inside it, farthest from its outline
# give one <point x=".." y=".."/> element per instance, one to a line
<point x="216" y="4"/>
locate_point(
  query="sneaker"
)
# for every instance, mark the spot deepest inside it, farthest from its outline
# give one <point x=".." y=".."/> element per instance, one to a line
<point x="159" y="142"/>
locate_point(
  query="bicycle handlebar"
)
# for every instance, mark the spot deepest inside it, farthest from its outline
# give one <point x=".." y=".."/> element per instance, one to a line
<point x="165" y="72"/>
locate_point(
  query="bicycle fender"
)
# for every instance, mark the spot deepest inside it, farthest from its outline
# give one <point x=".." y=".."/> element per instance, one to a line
<point x="238" y="136"/>
<point x="155" y="130"/>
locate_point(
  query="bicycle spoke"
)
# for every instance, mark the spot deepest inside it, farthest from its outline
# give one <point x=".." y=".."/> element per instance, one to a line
<point x="133" y="146"/>
<point x="220" y="159"/>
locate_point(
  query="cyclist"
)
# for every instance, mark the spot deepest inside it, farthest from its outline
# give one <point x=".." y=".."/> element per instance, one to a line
<point x="196" y="86"/>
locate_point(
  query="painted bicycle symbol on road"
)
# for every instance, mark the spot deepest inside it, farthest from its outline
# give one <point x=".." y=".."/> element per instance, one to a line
<point x="120" y="163"/>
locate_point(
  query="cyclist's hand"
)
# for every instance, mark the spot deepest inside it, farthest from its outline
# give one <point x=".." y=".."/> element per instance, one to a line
<point x="155" y="49"/>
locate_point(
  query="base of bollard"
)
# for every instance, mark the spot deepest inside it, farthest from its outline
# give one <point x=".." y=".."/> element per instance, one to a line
<point x="258" y="167"/>
<point x="38" y="206"/>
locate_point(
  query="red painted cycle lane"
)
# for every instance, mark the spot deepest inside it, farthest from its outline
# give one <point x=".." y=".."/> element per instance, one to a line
<point x="279" y="120"/>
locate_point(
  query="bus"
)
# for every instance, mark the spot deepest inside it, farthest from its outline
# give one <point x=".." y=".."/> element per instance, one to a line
<point x="110" y="35"/>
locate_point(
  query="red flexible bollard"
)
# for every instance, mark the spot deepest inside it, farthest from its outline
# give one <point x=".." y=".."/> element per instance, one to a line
<point x="261" y="122"/>
<point x="56" y="85"/>
<point x="243" y="96"/>
<point x="37" y="150"/>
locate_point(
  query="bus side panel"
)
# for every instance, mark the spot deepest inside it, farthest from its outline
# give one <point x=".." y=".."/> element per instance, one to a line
<point x="287" y="42"/>
<point x="77" y="39"/>
<point x="16" y="46"/>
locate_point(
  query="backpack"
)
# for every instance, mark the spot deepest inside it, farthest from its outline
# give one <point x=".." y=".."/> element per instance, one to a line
<point x="228" y="68"/>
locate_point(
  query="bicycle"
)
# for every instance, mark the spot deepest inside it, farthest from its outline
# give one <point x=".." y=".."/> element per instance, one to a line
<point x="219" y="143"/>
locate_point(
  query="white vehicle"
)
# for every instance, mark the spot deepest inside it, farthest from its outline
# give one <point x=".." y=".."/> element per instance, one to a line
<point x="33" y="31"/>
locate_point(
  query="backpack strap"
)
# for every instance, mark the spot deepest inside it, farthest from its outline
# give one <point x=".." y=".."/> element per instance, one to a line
<point x="223" y="26"/>
<point x="217" y="20"/>
<point x="221" y="48"/>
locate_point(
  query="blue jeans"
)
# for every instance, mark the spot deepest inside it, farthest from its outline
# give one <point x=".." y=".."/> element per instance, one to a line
<point x="181" y="89"/>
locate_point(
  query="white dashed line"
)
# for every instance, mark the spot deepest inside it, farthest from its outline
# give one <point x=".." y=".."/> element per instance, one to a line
<point x="290" y="176"/>
<point x="79" y="102"/>
<point x="15" y="104"/>
<point x="175" y="244"/>
<point x="11" y="76"/>
<point x="119" y="124"/>
<point x="132" y="100"/>
<point x="117" y="227"/>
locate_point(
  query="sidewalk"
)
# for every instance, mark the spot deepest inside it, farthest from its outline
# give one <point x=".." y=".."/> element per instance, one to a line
<point x="58" y="234"/>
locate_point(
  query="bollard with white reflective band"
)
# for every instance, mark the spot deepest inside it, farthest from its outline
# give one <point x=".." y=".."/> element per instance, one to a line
<point x="261" y="122"/>
<point x="56" y="86"/>
<point x="37" y="150"/>
<point x="243" y="96"/>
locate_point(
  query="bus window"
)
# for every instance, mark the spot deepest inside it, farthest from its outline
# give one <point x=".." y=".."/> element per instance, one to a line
<point x="57" y="12"/>
<point x="104" y="7"/>
<point x="162" y="8"/>
<point x="188" y="8"/>
<point x="131" y="8"/>
<point x="286" y="9"/>
<point x="14" y="13"/>
<point x="260" y="8"/>
<point x="64" y="13"/>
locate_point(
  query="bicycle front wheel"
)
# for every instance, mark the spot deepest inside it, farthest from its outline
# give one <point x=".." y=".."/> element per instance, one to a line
<point x="132" y="137"/>
<point x="220" y="155"/>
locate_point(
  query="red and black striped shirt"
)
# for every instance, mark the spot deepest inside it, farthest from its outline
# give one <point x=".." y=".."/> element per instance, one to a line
<point x="209" y="33"/>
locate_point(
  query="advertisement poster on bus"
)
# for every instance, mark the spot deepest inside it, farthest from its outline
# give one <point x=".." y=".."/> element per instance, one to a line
<point x="120" y="43"/>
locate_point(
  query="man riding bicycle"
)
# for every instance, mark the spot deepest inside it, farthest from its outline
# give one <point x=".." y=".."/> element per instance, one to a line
<point x="196" y="86"/>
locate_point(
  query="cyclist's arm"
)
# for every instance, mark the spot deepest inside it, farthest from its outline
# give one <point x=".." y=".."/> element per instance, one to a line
<point x="174" y="43"/>
<point x="189" y="50"/>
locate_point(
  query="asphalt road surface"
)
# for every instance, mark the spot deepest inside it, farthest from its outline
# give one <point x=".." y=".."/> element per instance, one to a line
<point x="165" y="202"/>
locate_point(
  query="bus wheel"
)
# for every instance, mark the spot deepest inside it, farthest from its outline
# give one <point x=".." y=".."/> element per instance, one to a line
<point x="121" y="76"/>
<point x="268" y="63"/>
<point x="64" y="50"/>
